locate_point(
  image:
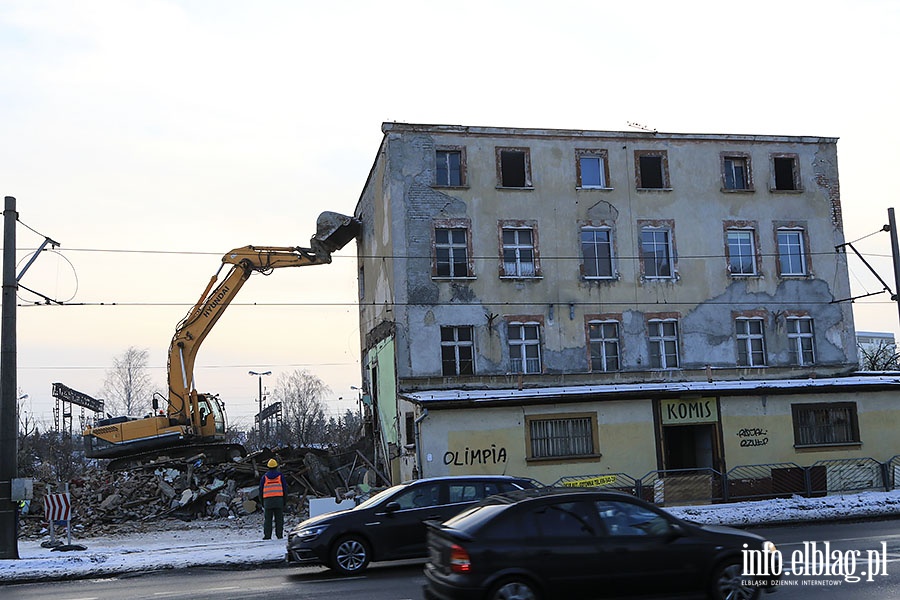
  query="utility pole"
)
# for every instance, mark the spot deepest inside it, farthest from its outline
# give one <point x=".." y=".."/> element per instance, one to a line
<point x="9" y="545"/>
<point x="259" y="415"/>
<point x="895" y="252"/>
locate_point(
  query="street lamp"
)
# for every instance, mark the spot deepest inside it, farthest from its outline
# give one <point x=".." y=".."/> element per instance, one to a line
<point x="259" y="416"/>
<point x="359" y="402"/>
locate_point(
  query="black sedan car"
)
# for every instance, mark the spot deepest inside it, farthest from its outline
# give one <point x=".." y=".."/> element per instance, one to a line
<point x="571" y="543"/>
<point x="390" y="525"/>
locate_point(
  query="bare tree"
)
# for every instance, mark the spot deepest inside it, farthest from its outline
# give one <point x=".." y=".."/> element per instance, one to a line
<point x="128" y="388"/>
<point x="880" y="357"/>
<point x="27" y="422"/>
<point x="303" y="408"/>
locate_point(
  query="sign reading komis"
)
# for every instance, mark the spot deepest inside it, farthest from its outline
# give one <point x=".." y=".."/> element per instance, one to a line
<point x="817" y="560"/>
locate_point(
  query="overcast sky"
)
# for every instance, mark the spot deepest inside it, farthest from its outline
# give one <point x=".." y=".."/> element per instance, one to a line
<point x="150" y="137"/>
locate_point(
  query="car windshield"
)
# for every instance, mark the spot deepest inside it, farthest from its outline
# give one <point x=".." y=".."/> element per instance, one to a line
<point x="383" y="494"/>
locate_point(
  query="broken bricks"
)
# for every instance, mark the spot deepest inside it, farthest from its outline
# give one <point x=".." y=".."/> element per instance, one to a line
<point x="103" y="501"/>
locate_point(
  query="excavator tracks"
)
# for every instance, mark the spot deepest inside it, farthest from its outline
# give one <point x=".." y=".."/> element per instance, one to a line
<point x="210" y="453"/>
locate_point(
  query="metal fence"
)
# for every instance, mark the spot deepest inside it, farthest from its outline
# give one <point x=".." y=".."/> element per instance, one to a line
<point x="757" y="482"/>
<point x="750" y="482"/>
<point x="892" y="473"/>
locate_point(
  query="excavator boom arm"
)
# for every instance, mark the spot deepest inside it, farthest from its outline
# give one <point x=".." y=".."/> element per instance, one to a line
<point x="333" y="232"/>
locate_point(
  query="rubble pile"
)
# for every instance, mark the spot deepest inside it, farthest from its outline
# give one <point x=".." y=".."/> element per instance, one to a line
<point x="104" y="502"/>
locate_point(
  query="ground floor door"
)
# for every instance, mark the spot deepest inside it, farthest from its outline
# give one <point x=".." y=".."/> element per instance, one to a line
<point x="690" y="446"/>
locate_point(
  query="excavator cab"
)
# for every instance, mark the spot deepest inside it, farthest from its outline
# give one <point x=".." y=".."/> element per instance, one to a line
<point x="212" y="416"/>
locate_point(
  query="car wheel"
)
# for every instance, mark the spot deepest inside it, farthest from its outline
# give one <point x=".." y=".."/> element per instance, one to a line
<point x="350" y="555"/>
<point x="728" y="584"/>
<point x="514" y="589"/>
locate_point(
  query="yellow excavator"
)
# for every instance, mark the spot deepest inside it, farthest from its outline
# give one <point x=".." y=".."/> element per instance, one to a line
<point x="194" y="423"/>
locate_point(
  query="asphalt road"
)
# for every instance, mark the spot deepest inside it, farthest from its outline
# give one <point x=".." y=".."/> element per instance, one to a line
<point x="849" y="544"/>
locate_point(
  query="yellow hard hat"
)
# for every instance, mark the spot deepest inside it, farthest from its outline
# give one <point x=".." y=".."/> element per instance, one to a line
<point x="272" y="463"/>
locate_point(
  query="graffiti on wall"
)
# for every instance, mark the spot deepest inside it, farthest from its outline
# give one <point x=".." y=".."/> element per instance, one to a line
<point x="753" y="436"/>
<point x="491" y="455"/>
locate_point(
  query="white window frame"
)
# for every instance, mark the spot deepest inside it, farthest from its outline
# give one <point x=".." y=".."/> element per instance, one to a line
<point x="745" y="251"/>
<point x="600" y="344"/>
<point x="456" y="344"/>
<point x="596" y="261"/>
<point x="601" y="157"/>
<point x="801" y="340"/>
<point x="664" y="347"/>
<point x="445" y="153"/>
<point x="519" y="267"/>
<point x="751" y="344"/>
<point x="521" y="344"/>
<point x="652" y="258"/>
<point x="452" y="248"/>
<point x="792" y="251"/>
<point x="729" y="162"/>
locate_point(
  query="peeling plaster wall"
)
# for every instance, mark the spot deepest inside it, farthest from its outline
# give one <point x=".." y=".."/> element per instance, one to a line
<point x="400" y="205"/>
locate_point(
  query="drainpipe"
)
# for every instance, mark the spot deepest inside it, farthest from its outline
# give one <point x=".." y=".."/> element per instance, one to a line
<point x="417" y="424"/>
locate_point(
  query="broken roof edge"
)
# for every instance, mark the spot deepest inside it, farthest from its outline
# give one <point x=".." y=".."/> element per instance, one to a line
<point x="514" y="396"/>
<point x="392" y="126"/>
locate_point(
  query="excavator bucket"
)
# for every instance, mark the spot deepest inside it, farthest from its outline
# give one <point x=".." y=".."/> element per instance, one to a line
<point x="334" y="230"/>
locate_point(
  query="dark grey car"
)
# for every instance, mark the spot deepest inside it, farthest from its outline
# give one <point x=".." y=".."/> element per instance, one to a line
<point x="390" y="525"/>
<point x="567" y="543"/>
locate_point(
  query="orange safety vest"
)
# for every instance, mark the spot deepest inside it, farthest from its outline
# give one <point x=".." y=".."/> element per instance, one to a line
<point x="273" y="488"/>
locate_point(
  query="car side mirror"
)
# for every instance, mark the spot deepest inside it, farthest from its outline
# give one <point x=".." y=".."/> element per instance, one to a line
<point x="391" y="507"/>
<point x="676" y="530"/>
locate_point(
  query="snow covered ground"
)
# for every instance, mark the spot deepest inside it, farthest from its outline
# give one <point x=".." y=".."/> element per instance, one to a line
<point x="177" y="545"/>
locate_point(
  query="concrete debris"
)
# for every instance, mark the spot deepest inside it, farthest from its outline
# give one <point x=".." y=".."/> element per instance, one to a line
<point x="104" y="502"/>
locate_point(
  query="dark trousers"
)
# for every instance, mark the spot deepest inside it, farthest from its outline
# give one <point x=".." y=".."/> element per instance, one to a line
<point x="274" y="509"/>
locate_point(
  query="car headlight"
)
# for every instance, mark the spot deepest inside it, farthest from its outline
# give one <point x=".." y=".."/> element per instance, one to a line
<point x="307" y="534"/>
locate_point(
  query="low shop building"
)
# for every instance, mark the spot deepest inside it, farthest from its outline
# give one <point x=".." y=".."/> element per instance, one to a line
<point x="704" y="428"/>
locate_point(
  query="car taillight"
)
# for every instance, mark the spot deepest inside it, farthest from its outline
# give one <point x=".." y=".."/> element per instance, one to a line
<point x="459" y="559"/>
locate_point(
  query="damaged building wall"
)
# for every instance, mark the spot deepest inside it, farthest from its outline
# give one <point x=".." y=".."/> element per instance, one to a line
<point x="476" y="234"/>
<point x="691" y="209"/>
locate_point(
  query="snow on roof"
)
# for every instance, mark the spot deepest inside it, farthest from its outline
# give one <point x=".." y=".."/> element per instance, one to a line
<point x="513" y="395"/>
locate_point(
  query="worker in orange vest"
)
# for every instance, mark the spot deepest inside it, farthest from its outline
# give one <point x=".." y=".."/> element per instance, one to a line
<point x="272" y="490"/>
